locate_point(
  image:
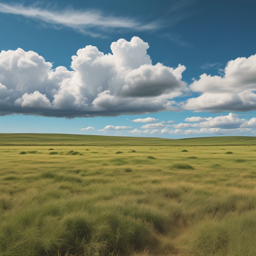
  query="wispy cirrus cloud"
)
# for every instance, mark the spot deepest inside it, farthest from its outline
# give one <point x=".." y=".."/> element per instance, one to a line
<point x="82" y="20"/>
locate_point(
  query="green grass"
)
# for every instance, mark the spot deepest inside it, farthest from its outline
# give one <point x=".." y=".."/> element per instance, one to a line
<point x="183" y="166"/>
<point x="26" y="139"/>
<point x="155" y="201"/>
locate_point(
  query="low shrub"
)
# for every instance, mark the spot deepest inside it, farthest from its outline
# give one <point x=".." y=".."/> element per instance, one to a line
<point x="229" y="152"/>
<point x="23" y="152"/>
<point x="119" y="152"/>
<point x="184" y="150"/>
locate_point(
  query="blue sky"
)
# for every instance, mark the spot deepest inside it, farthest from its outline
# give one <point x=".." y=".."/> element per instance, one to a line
<point x="171" y="69"/>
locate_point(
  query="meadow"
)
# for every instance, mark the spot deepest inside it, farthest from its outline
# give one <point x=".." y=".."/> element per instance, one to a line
<point x="74" y="195"/>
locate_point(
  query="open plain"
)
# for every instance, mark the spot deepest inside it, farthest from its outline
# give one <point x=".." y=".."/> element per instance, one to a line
<point x="95" y="195"/>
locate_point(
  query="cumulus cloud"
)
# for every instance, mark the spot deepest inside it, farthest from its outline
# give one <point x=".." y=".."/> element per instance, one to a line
<point x="168" y="122"/>
<point x="195" y="119"/>
<point x="234" y="91"/>
<point x="153" y="126"/>
<point x="115" y="128"/>
<point x="122" y="82"/>
<point x="230" y="124"/>
<point x="230" y="121"/>
<point x="89" y="128"/>
<point x="145" y="120"/>
<point x="82" y="20"/>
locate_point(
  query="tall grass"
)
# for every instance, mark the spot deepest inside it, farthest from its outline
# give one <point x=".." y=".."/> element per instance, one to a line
<point x="198" y="203"/>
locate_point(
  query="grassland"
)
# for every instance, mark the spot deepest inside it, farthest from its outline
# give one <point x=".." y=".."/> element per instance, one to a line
<point x="71" y="195"/>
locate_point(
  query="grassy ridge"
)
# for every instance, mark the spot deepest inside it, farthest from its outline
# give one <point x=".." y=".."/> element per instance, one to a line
<point x="127" y="200"/>
<point x="93" y="140"/>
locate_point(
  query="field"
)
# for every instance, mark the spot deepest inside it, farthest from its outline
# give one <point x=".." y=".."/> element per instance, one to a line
<point x="71" y="195"/>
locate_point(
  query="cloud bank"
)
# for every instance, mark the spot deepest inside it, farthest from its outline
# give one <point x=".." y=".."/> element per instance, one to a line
<point x="230" y="124"/>
<point x="123" y="82"/>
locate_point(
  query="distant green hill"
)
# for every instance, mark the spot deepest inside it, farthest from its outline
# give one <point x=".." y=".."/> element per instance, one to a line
<point x="95" y="140"/>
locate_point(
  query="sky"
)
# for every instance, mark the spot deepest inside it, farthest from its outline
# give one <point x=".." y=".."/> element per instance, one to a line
<point x="147" y="68"/>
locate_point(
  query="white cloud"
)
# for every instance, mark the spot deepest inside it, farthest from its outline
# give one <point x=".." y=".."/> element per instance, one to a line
<point x="89" y="128"/>
<point x="231" y="92"/>
<point x="244" y="101"/>
<point x="168" y="122"/>
<point x="145" y="120"/>
<point x="240" y="75"/>
<point x="153" y="126"/>
<point x="137" y="131"/>
<point x="123" y="82"/>
<point x="33" y="100"/>
<point x="230" y="121"/>
<point x="195" y="119"/>
<point x="114" y="128"/>
<point x="216" y="131"/>
<point x="82" y="21"/>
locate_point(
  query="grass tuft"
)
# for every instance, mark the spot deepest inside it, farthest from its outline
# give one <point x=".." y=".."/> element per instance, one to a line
<point x="10" y="178"/>
<point x="151" y="157"/>
<point x="229" y="152"/>
<point x="47" y="175"/>
<point x="23" y="152"/>
<point x="119" y="152"/>
<point x="128" y="170"/>
<point x="192" y="157"/>
<point x="32" y="152"/>
<point x="184" y="150"/>
<point x="73" y="153"/>
<point x="240" y="160"/>
<point x="183" y="166"/>
<point x="53" y="153"/>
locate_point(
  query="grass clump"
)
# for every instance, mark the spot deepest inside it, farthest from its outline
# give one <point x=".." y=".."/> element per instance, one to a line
<point x="73" y="153"/>
<point x="128" y="170"/>
<point x="119" y="152"/>
<point x="192" y="157"/>
<point x="229" y="152"/>
<point x="183" y="166"/>
<point x="47" y="175"/>
<point x="50" y="149"/>
<point x="216" y="165"/>
<point x="151" y="157"/>
<point x="23" y="152"/>
<point x="11" y="177"/>
<point x="132" y="151"/>
<point x="240" y="160"/>
<point x="53" y="153"/>
<point x="184" y="150"/>
<point x="32" y="152"/>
